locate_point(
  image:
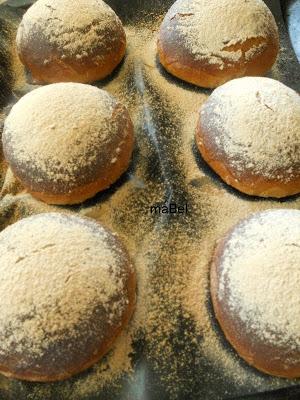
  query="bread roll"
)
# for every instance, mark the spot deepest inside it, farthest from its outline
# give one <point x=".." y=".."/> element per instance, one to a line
<point x="67" y="291"/>
<point x="248" y="133"/>
<point x="63" y="41"/>
<point x="209" y="42"/>
<point x="67" y="141"/>
<point x="255" y="287"/>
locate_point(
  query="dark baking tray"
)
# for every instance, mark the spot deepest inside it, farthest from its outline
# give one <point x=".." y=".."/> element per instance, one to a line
<point x="197" y="377"/>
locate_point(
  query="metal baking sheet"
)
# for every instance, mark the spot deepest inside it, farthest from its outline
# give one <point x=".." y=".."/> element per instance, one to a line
<point x="166" y="168"/>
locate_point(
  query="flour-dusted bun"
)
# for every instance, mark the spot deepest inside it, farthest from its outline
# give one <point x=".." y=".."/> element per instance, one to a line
<point x="249" y="133"/>
<point x="65" y="41"/>
<point x="255" y="289"/>
<point x="67" y="289"/>
<point x="209" y="42"/>
<point x="67" y="141"/>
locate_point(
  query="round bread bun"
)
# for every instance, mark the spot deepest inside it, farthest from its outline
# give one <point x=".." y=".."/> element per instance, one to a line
<point x="248" y="133"/>
<point x="67" y="141"/>
<point x="255" y="287"/>
<point x="209" y="42"/>
<point x="60" y="41"/>
<point x="67" y="291"/>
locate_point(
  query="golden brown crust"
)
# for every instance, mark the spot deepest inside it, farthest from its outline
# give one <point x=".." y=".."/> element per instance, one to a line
<point x="204" y="74"/>
<point x="70" y="70"/>
<point x="269" y="359"/>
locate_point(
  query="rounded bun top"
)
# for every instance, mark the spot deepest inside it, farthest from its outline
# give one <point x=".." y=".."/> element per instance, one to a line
<point x="63" y="286"/>
<point x="209" y="30"/>
<point x="259" y="276"/>
<point x="253" y="125"/>
<point x="63" y="135"/>
<point x="70" y="30"/>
